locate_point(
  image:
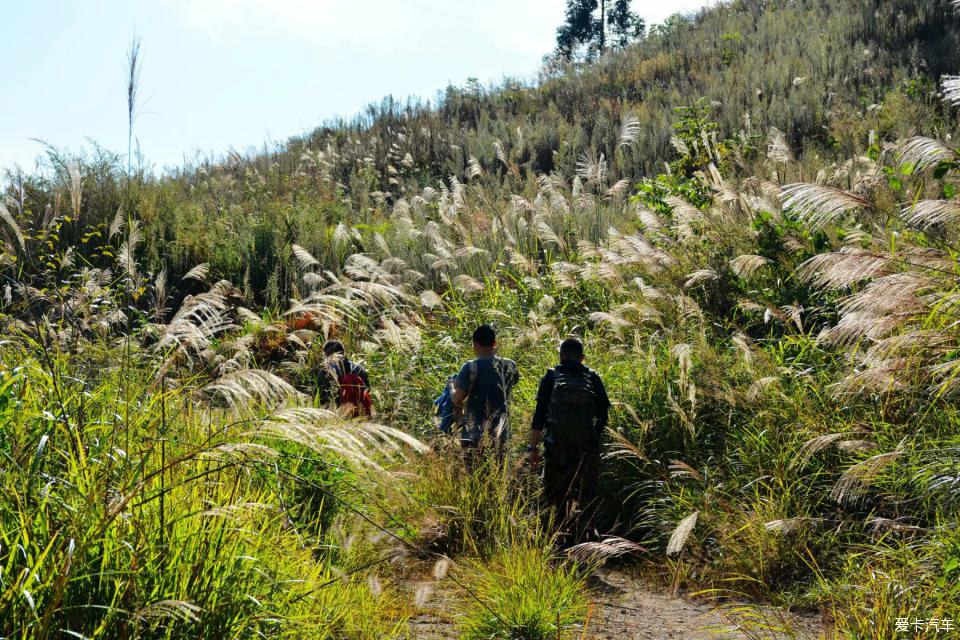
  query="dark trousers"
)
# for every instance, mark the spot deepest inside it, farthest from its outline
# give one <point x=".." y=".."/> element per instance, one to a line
<point x="571" y="480"/>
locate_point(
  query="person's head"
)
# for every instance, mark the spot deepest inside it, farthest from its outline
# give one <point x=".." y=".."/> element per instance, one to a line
<point x="571" y="349"/>
<point x="484" y="340"/>
<point x="331" y="347"/>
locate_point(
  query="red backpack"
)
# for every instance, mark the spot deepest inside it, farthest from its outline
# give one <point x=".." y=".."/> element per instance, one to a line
<point x="354" y="392"/>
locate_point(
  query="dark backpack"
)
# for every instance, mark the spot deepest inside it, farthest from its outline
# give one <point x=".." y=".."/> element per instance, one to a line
<point x="571" y="417"/>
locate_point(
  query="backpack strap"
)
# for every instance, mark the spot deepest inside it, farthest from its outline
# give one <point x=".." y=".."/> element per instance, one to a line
<point x="355" y="369"/>
<point x="472" y="371"/>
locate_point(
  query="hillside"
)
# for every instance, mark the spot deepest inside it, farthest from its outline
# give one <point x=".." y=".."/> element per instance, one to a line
<point x="811" y="69"/>
<point x="749" y="218"/>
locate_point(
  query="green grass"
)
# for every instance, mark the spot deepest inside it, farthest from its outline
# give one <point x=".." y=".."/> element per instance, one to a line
<point x="523" y="593"/>
<point x="127" y="514"/>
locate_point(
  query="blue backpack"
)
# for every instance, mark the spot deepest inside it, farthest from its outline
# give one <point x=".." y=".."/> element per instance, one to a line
<point x="444" y="407"/>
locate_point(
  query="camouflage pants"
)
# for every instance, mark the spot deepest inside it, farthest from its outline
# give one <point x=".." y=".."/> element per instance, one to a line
<point x="570" y="488"/>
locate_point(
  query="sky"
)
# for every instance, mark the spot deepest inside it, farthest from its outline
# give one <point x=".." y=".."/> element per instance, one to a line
<point x="220" y="75"/>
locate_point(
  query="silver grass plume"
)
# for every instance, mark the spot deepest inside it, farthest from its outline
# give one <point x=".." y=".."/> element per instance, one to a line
<point x="126" y="257"/>
<point x="927" y="213"/>
<point x="845" y="267"/>
<point x="76" y="187"/>
<point x="474" y="170"/>
<point x="895" y="293"/>
<point x="304" y="258"/>
<point x="325" y="431"/>
<point x="778" y="150"/>
<point x="746" y="265"/>
<point x="6" y="217"/>
<point x="819" y="205"/>
<point x="680" y="469"/>
<point x="684" y="215"/>
<point x="198" y="273"/>
<point x="699" y="277"/>
<point x="951" y="89"/>
<point x="619" y="188"/>
<point x="680" y="534"/>
<point x="500" y="152"/>
<point x="622" y="447"/>
<point x="341" y="238"/>
<point x="117" y="224"/>
<point x="787" y="526"/>
<point x="545" y="232"/>
<point x="924" y="153"/>
<point x="242" y="389"/>
<point x="811" y="447"/>
<point x="596" y="553"/>
<point x="430" y="299"/>
<point x="195" y="323"/>
<point x="629" y="130"/>
<point x="160" y="295"/>
<point x="592" y="169"/>
<point x="855" y="481"/>
<point x="180" y="610"/>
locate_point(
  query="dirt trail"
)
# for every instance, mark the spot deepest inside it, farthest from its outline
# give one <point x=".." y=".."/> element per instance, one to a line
<point x="626" y="610"/>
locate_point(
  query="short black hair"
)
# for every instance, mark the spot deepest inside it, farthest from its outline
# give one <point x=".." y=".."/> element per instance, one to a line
<point x="331" y="347"/>
<point x="485" y="336"/>
<point x="571" y="348"/>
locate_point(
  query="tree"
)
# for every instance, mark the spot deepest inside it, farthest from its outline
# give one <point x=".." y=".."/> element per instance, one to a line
<point x="584" y="30"/>
<point x="624" y="25"/>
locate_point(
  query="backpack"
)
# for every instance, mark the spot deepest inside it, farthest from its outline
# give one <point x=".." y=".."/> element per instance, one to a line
<point x="443" y="407"/>
<point x="572" y="409"/>
<point x="354" y="392"/>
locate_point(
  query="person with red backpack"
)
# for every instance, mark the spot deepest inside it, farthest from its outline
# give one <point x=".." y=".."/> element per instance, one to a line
<point x="344" y="382"/>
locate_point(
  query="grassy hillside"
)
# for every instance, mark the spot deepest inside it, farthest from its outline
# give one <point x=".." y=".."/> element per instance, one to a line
<point x="824" y="73"/>
<point x="765" y="279"/>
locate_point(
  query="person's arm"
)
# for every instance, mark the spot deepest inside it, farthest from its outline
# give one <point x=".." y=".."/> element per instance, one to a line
<point x="539" y="422"/>
<point x="602" y="403"/>
<point x="544" y="391"/>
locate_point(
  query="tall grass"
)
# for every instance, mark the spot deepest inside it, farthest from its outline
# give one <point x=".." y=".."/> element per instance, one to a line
<point x="145" y="518"/>
<point x="524" y="593"/>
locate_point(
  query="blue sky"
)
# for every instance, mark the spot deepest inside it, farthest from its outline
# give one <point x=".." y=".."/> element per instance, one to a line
<point x="234" y="74"/>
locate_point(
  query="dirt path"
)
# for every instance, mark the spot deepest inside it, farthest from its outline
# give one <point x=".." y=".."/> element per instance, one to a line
<point x="626" y="610"/>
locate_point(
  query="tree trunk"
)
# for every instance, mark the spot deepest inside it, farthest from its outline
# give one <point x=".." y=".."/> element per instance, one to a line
<point x="603" y="26"/>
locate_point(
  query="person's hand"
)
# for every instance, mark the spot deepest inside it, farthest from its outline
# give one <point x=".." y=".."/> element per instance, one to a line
<point x="534" y="460"/>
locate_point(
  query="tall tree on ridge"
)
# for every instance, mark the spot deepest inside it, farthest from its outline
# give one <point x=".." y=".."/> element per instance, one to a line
<point x="587" y="32"/>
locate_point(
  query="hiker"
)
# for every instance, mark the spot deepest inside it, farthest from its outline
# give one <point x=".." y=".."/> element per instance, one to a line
<point x="342" y="381"/>
<point x="572" y="407"/>
<point x="481" y="394"/>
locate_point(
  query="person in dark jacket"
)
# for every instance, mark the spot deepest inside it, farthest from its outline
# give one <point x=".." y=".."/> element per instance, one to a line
<point x="571" y="414"/>
<point x="481" y="396"/>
